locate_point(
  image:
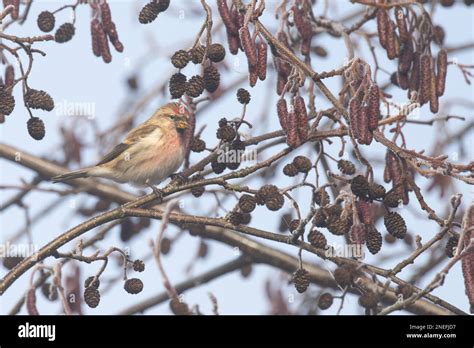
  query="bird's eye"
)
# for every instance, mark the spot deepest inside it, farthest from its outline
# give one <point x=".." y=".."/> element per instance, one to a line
<point x="172" y="117"/>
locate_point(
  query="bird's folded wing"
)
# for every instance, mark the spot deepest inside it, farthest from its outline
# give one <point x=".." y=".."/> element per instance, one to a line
<point x="116" y="151"/>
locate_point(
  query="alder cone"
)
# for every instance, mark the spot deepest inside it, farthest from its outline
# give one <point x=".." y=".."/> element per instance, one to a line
<point x="46" y="21"/>
<point x="212" y="78"/>
<point x="374" y="240"/>
<point x="148" y="13"/>
<point x="64" y="33"/>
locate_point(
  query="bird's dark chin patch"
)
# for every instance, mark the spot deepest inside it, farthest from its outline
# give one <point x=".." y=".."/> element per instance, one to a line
<point x="180" y="130"/>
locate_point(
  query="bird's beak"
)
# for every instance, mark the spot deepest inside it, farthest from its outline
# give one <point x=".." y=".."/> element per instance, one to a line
<point x="182" y="124"/>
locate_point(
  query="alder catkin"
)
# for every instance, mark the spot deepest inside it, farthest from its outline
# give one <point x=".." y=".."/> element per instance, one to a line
<point x="262" y="60"/>
<point x="302" y="117"/>
<point x="382" y="26"/>
<point x="401" y="24"/>
<point x="373" y="103"/>
<point x="226" y="17"/>
<point x="95" y="28"/>
<point x="434" y="103"/>
<point x="248" y="45"/>
<point x="354" y="110"/>
<point x="282" y="112"/>
<point x="365" y="135"/>
<point x="425" y="78"/>
<point x="467" y="262"/>
<point x="393" y="43"/>
<point x="442" y="69"/>
<point x="292" y="138"/>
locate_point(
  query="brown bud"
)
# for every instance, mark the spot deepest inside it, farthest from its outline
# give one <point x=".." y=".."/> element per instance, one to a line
<point x="442" y="69"/>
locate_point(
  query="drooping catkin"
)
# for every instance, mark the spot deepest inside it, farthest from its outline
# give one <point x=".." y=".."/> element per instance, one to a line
<point x="406" y="57"/>
<point x="373" y="107"/>
<point x="292" y="138"/>
<point x="226" y="17"/>
<point x="442" y="69"/>
<point x="401" y="24"/>
<point x="434" y="103"/>
<point x="414" y="82"/>
<point x="393" y="43"/>
<point x="425" y="78"/>
<point x="282" y="112"/>
<point x="467" y="262"/>
<point x="262" y="60"/>
<point x="248" y="45"/>
<point x="382" y="26"/>
<point x="302" y="117"/>
<point x="95" y="29"/>
<point x="365" y="135"/>
<point x="354" y="110"/>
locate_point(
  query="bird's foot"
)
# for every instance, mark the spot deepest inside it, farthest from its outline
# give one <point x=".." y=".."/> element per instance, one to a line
<point x="178" y="179"/>
<point x="158" y="193"/>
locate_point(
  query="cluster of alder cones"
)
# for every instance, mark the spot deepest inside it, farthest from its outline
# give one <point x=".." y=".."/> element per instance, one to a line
<point x="209" y="80"/>
<point x="33" y="99"/>
<point x="132" y="286"/>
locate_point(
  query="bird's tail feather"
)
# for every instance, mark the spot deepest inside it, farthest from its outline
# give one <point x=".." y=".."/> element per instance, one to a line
<point x="82" y="173"/>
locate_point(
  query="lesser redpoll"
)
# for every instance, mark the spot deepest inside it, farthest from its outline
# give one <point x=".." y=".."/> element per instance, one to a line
<point x="150" y="153"/>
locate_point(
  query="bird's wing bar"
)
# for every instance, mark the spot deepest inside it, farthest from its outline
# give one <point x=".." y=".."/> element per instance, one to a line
<point x="116" y="151"/>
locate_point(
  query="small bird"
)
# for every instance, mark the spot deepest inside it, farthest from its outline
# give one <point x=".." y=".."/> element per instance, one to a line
<point x="150" y="153"/>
